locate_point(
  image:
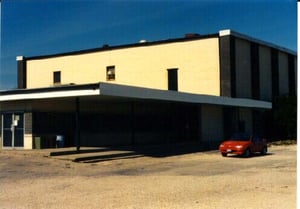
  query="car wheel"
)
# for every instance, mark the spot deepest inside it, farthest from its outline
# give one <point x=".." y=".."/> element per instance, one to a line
<point x="224" y="154"/>
<point x="246" y="153"/>
<point x="264" y="151"/>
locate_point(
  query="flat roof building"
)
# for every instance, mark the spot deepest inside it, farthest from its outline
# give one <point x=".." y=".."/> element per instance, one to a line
<point x="198" y="88"/>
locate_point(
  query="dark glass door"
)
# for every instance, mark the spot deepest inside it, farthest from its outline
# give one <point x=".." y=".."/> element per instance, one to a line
<point x="19" y="130"/>
<point x="13" y="130"/>
<point x="7" y="133"/>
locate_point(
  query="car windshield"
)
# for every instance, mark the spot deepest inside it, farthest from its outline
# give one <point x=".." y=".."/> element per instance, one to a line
<point x="240" y="137"/>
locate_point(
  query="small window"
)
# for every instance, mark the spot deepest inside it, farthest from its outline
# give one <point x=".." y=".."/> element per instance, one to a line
<point x="110" y="73"/>
<point x="56" y="77"/>
<point x="173" y="79"/>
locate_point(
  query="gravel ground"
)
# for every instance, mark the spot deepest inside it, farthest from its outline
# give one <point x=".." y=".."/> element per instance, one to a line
<point x="203" y="180"/>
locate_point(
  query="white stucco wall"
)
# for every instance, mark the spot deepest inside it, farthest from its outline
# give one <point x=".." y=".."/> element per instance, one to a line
<point x="197" y="62"/>
<point x="27" y="141"/>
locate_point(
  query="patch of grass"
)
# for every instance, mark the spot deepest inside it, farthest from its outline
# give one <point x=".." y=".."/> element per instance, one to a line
<point x="283" y="142"/>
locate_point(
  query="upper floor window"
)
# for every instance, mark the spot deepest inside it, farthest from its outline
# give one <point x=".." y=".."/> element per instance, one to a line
<point x="56" y="77"/>
<point x="110" y="73"/>
<point x="173" y="79"/>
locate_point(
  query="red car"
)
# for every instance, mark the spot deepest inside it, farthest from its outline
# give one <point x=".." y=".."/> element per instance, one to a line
<point x="243" y="144"/>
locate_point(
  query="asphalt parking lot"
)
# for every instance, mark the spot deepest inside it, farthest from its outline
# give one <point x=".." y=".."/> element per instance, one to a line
<point x="140" y="179"/>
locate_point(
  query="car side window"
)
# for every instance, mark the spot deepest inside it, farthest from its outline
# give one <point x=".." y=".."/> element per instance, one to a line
<point x="256" y="139"/>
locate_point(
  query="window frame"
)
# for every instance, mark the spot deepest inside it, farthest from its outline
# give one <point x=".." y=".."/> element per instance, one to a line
<point x="172" y="79"/>
<point x="57" y="77"/>
<point x="111" y="73"/>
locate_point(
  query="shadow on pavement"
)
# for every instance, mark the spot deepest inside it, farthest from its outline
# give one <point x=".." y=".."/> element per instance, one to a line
<point x="254" y="155"/>
<point x="91" y="155"/>
<point x="74" y="151"/>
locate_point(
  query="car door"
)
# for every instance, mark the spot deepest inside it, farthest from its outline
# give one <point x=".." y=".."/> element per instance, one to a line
<point x="257" y="144"/>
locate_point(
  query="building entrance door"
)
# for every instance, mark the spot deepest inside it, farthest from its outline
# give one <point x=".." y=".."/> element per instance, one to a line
<point x="13" y="130"/>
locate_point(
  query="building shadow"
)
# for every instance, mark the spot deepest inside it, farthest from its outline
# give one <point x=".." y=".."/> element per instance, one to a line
<point x="254" y="155"/>
<point x="92" y="155"/>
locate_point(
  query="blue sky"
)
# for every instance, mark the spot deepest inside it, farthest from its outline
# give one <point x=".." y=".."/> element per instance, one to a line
<point x="39" y="27"/>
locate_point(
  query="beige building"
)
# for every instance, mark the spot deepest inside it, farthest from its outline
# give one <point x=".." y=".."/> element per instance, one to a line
<point x="199" y="88"/>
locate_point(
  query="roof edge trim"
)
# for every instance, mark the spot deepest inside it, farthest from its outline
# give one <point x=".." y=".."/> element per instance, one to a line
<point x="137" y="44"/>
<point x="166" y="95"/>
<point x="51" y="89"/>
<point x="228" y="32"/>
<point x="49" y="95"/>
<point x="133" y="92"/>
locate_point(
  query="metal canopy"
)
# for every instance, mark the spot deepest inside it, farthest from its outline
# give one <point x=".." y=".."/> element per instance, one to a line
<point x="165" y="95"/>
<point x="115" y="91"/>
